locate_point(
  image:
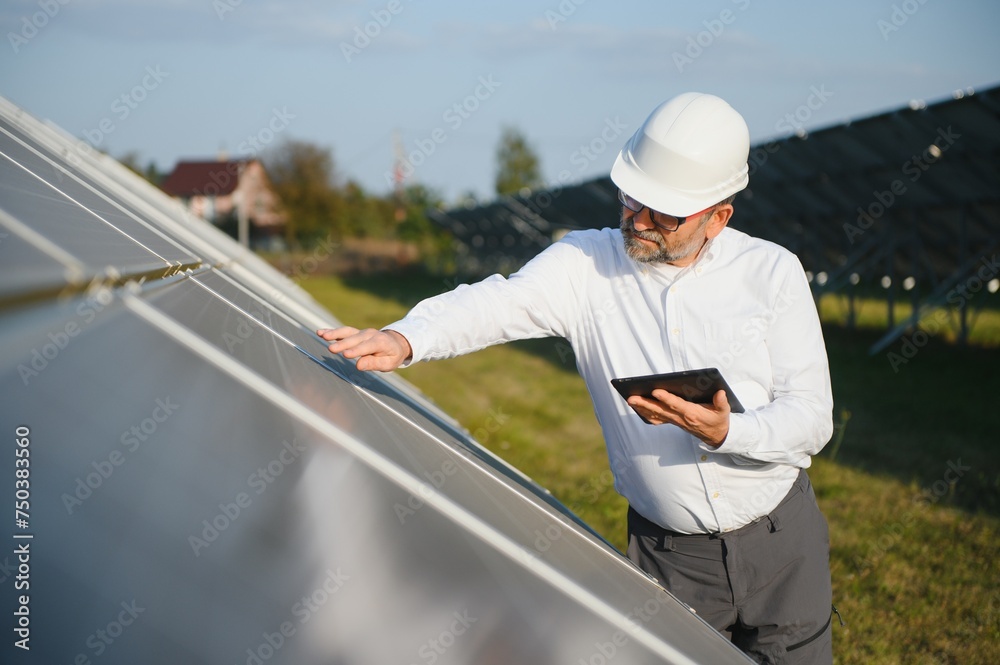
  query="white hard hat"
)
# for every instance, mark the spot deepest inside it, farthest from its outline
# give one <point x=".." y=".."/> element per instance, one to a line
<point x="690" y="154"/>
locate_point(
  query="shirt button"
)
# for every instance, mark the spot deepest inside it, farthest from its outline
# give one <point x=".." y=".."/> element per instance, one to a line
<point x="704" y="458"/>
<point x="715" y="495"/>
<point x="676" y="331"/>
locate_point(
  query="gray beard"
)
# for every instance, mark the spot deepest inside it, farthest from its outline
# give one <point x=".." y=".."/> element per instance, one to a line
<point x="642" y="253"/>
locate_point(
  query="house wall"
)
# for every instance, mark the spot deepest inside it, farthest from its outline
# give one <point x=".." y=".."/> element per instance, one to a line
<point x="253" y="196"/>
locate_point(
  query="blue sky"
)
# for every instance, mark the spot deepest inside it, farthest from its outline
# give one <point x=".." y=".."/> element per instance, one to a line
<point x="176" y="79"/>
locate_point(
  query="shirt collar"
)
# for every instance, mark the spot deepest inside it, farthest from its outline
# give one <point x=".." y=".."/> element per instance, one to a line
<point x="711" y="251"/>
<point x="708" y="253"/>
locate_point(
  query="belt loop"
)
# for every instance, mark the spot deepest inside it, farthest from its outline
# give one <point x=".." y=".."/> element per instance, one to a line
<point x="803" y="482"/>
<point x="775" y="523"/>
<point x="665" y="543"/>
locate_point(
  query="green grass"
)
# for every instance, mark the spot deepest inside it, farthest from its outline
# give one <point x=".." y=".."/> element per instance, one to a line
<point x="913" y="556"/>
<point x="873" y="313"/>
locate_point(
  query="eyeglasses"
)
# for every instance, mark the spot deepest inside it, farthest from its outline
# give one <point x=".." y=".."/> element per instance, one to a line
<point x="660" y="220"/>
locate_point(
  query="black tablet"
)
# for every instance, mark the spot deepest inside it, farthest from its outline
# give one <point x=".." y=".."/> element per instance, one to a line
<point x="694" y="385"/>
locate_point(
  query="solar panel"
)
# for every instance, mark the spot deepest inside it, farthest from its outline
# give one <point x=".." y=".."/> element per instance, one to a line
<point x="857" y="202"/>
<point x="205" y="483"/>
<point x="815" y="184"/>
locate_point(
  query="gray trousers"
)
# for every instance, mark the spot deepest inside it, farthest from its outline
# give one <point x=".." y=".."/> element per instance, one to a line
<point x="765" y="585"/>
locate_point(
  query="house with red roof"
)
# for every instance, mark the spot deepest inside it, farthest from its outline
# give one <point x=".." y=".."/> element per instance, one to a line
<point x="227" y="191"/>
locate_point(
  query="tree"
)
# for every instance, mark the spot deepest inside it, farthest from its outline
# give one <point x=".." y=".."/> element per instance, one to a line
<point x="303" y="177"/>
<point x="517" y="164"/>
<point x="434" y="243"/>
<point x="467" y="199"/>
<point x="152" y="174"/>
<point x="367" y="216"/>
<point x="415" y="225"/>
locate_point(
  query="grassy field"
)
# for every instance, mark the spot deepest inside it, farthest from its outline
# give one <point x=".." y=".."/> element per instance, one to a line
<point x="910" y="483"/>
<point x="871" y="314"/>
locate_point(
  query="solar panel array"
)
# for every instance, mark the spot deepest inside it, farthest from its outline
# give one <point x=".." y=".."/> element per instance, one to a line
<point x="199" y="481"/>
<point x="908" y="199"/>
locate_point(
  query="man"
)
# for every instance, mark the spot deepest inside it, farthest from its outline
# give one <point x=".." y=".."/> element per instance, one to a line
<point x="721" y="509"/>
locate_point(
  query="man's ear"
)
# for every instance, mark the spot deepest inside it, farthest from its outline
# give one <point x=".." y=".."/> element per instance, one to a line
<point x="720" y="217"/>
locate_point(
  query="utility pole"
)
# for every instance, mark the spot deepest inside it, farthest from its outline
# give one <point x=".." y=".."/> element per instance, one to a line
<point x="242" y="221"/>
<point x="397" y="175"/>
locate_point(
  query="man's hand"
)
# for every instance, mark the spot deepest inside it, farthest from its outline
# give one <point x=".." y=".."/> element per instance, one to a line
<point x="708" y="422"/>
<point x="378" y="350"/>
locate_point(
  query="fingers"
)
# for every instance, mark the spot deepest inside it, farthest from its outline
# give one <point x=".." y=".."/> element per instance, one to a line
<point x="377" y="363"/>
<point x="352" y="343"/>
<point x="680" y="406"/>
<point x="721" y="402"/>
<point x="662" y="407"/>
<point x="345" y="338"/>
<point x="671" y="401"/>
<point x="330" y="334"/>
<point x="649" y="409"/>
<point x="373" y="349"/>
<point x="708" y="422"/>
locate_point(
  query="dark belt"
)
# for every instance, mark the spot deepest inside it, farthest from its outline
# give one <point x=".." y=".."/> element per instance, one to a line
<point x="641" y="526"/>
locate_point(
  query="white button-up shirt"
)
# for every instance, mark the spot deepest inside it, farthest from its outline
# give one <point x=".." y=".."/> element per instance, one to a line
<point x="744" y="306"/>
